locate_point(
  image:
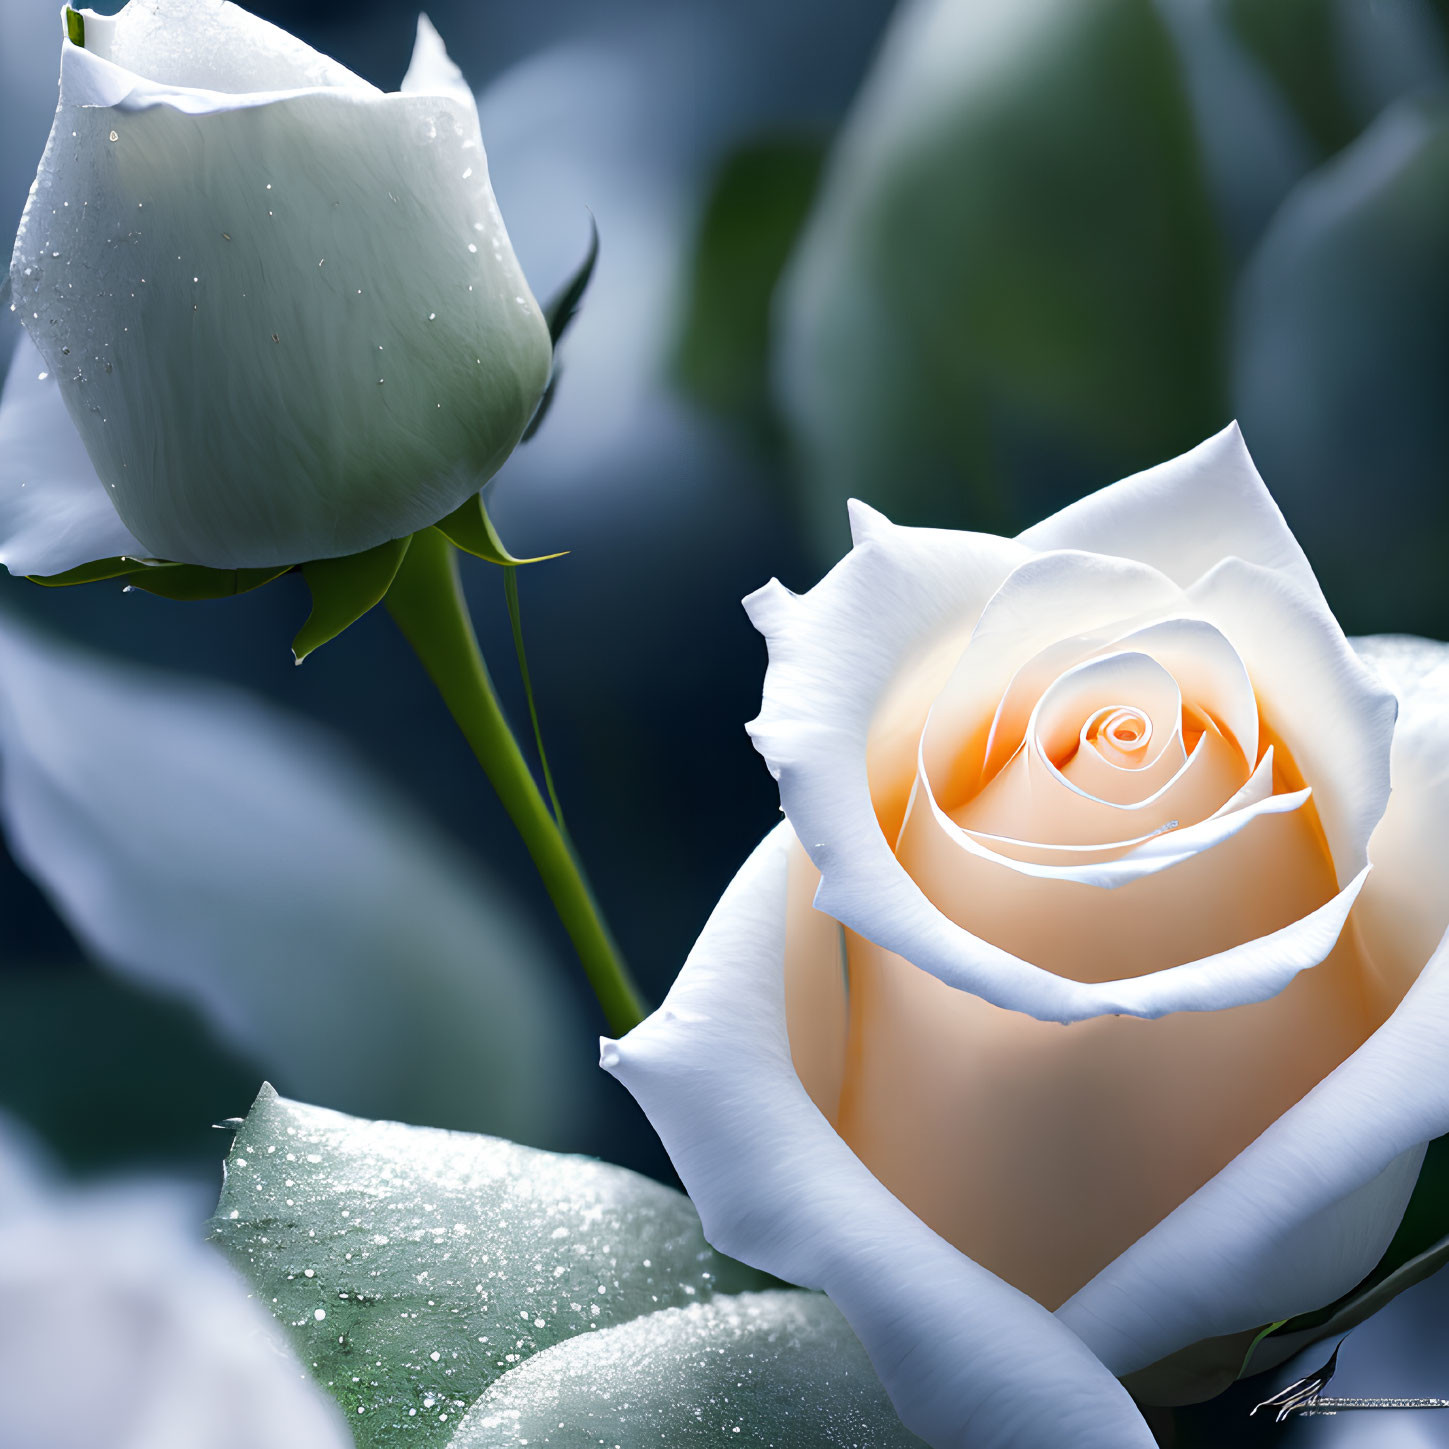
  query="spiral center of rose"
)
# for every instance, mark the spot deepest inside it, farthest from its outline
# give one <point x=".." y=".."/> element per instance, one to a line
<point x="1121" y="733"/>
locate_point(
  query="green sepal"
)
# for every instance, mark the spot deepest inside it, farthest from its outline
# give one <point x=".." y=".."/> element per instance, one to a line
<point x="344" y="589"/>
<point x="559" y="312"/>
<point x="75" y="27"/>
<point x="753" y="216"/>
<point x="414" y="1267"/>
<point x="97" y="572"/>
<point x="561" y="309"/>
<point x="187" y="583"/>
<point x="470" y="529"/>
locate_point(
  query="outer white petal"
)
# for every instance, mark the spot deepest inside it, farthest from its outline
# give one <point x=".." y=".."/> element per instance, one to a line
<point x="213" y="847"/>
<point x="433" y="71"/>
<point x="1298" y="1217"/>
<point x="1183" y="517"/>
<point x="1406" y="907"/>
<point x="54" y="511"/>
<point x="288" y="323"/>
<point x="1332" y="711"/>
<point x="964" y="1356"/>
<point x="119" y="1329"/>
<point x="212" y="45"/>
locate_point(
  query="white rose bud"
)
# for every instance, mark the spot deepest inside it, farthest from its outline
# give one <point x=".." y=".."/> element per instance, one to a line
<point x="280" y="304"/>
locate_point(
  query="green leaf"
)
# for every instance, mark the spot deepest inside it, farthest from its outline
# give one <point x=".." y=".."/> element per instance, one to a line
<point x="756" y="208"/>
<point x="471" y="529"/>
<point x="414" y="1266"/>
<point x="344" y="589"/>
<point x="187" y="583"/>
<point x="1010" y="289"/>
<point x="75" y="26"/>
<point x="1298" y="43"/>
<point x="776" y="1369"/>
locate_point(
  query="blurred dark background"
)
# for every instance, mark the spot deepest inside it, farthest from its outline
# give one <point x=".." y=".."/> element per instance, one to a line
<point x="1014" y="251"/>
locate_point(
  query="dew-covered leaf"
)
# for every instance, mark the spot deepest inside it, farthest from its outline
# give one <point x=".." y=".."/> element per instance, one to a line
<point x="775" y="1370"/>
<point x="414" y="1266"/>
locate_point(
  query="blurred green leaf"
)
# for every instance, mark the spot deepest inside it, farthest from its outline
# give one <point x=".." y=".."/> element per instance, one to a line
<point x="1010" y="288"/>
<point x="415" y="1266"/>
<point x="1298" y="42"/>
<point x="344" y="589"/>
<point x="1341" y="368"/>
<point x="752" y="218"/>
<point x="768" y="1370"/>
<point x="190" y="582"/>
<point x="111" y="1076"/>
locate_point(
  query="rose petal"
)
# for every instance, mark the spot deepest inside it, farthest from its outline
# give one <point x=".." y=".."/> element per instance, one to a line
<point x="1314" y="693"/>
<point x="434" y="72"/>
<point x="54" y="511"/>
<point x="1183" y="517"/>
<point x="1405" y="908"/>
<point x="1298" y="1217"/>
<point x="963" y="1355"/>
<point x="202" y="45"/>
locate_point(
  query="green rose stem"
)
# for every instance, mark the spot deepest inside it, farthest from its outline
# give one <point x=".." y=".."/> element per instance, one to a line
<point x="427" y="602"/>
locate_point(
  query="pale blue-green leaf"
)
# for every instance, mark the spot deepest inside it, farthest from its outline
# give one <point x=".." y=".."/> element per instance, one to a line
<point x="1340" y="368"/>
<point x="413" y="1266"/>
<point x="775" y="1370"/>
<point x="210" y="846"/>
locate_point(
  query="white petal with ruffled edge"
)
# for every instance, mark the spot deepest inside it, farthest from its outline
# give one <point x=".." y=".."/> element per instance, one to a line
<point x="967" y="1360"/>
<point x="54" y="511"/>
<point x="1184" y="516"/>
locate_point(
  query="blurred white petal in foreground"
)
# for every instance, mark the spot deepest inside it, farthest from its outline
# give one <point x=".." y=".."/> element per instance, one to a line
<point x="211" y="846"/>
<point x="118" y="1328"/>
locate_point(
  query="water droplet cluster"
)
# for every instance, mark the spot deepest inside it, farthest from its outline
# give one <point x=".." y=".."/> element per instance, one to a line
<point x="414" y="1266"/>
<point x="765" y="1370"/>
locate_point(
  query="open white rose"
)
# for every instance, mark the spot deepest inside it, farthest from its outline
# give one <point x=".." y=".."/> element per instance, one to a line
<point x="280" y="305"/>
<point x="1101" y="1038"/>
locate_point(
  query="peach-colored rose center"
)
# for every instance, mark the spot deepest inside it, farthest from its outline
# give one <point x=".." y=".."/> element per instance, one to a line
<point x="1043" y="1151"/>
